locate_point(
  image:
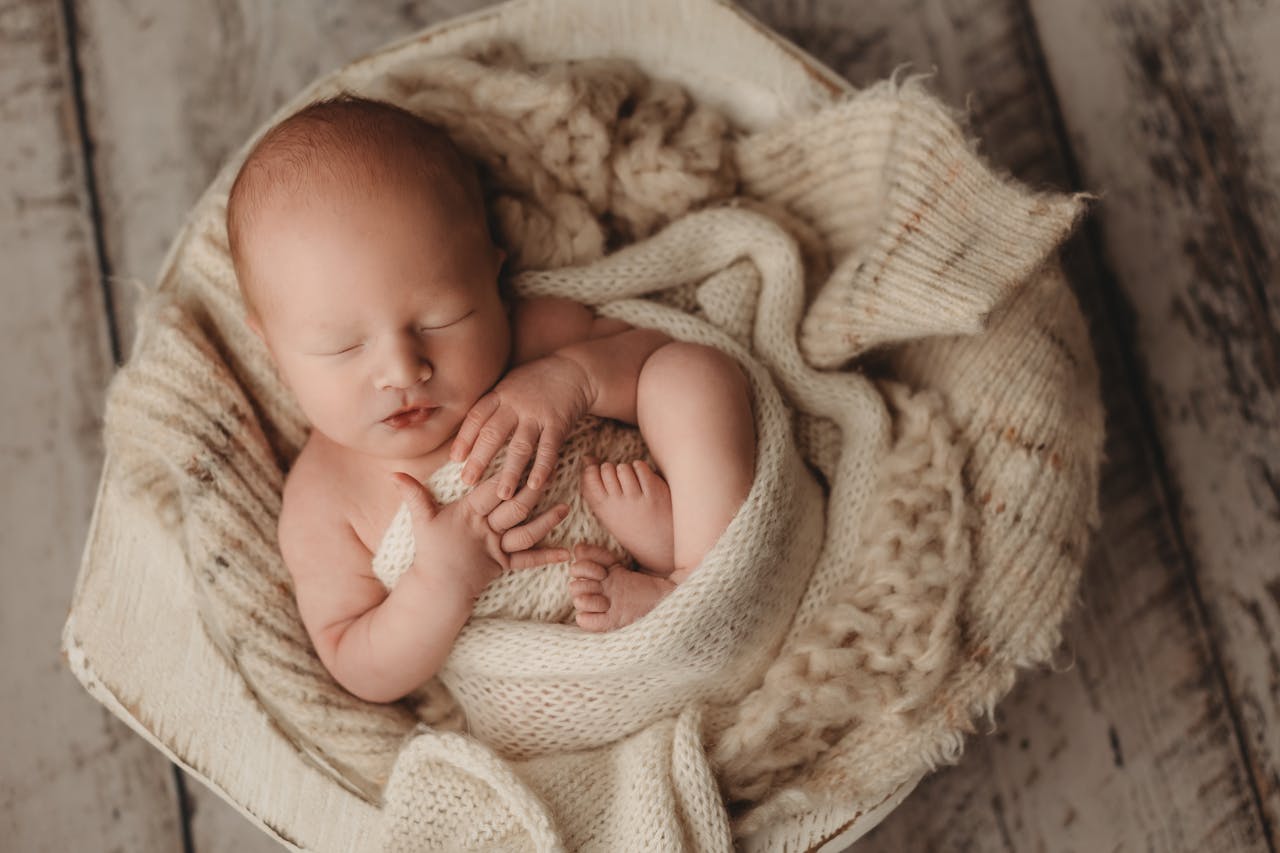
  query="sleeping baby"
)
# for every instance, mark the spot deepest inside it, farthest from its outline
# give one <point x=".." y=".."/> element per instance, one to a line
<point x="360" y="241"/>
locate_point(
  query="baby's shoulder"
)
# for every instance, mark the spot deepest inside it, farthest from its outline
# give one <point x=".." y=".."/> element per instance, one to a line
<point x="314" y="498"/>
<point x="313" y="466"/>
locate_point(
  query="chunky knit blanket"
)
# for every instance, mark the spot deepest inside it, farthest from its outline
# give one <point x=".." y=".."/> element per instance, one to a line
<point x="929" y="435"/>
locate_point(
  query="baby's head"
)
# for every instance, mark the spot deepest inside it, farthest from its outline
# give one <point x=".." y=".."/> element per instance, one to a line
<point x="360" y="243"/>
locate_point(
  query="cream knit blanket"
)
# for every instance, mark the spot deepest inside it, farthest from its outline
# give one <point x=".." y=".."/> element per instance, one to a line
<point x="539" y="594"/>
<point x="532" y="689"/>
<point x="841" y="636"/>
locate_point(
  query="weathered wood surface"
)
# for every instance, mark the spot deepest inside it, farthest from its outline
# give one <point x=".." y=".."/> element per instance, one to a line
<point x="1140" y="744"/>
<point x="1174" y="110"/>
<point x="1136" y="746"/>
<point x="72" y="776"/>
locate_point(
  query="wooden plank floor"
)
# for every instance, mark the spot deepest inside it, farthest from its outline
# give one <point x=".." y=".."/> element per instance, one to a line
<point x="1161" y="728"/>
<point x="72" y="777"/>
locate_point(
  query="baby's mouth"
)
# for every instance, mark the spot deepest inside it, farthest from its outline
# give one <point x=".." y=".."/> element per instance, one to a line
<point x="410" y="416"/>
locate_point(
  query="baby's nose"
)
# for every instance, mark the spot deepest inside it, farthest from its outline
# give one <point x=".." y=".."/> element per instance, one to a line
<point x="403" y="364"/>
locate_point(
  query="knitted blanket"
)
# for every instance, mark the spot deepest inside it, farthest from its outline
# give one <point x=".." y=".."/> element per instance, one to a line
<point x="533" y="594"/>
<point x="913" y="534"/>
<point x="531" y="689"/>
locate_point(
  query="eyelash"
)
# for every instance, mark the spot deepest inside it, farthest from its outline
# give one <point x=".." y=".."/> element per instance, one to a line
<point x="355" y="347"/>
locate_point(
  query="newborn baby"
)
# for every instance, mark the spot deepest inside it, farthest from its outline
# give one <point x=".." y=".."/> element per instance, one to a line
<point x="360" y="243"/>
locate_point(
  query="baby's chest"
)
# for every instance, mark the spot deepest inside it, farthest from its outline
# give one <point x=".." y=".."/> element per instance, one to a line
<point x="370" y="511"/>
<point x="373" y="501"/>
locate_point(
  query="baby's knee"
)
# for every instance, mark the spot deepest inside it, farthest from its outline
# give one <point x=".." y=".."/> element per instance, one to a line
<point x="699" y="364"/>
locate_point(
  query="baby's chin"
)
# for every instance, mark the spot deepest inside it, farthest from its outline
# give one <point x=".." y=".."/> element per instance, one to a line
<point x="383" y="444"/>
<point x="404" y="446"/>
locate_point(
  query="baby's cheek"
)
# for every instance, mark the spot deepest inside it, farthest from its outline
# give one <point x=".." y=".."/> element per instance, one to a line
<point x="338" y="415"/>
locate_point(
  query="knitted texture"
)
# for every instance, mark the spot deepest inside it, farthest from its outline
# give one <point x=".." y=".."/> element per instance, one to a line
<point x="714" y="633"/>
<point x="540" y="594"/>
<point x="905" y="545"/>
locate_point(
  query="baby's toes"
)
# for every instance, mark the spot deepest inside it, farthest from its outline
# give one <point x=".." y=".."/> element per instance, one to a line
<point x="646" y="476"/>
<point x="587" y="570"/>
<point x="609" y="476"/>
<point x="585" y="586"/>
<point x="627" y="480"/>
<point x="591" y="603"/>
<point x="592" y="485"/>
<point x="589" y="553"/>
<point x="596" y="623"/>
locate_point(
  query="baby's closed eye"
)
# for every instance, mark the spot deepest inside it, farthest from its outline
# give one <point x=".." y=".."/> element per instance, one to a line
<point x="430" y="326"/>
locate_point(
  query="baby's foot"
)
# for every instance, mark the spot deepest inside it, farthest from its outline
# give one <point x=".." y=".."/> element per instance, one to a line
<point x="634" y="504"/>
<point x="608" y="598"/>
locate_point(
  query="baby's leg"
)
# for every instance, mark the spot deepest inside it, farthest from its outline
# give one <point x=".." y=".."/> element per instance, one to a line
<point x="694" y="410"/>
<point x="693" y="406"/>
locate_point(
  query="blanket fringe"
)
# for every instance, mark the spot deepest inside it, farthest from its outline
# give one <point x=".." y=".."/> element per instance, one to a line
<point x="888" y="638"/>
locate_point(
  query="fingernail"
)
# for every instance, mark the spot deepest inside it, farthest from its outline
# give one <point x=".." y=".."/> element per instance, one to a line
<point x="505" y="492"/>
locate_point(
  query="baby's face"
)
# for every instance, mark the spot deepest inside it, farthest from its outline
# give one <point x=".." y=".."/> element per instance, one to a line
<point x="383" y="316"/>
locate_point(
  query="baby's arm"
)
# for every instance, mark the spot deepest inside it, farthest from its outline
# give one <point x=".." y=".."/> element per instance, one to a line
<point x="609" y="351"/>
<point x="377" y="645"/>
<point x="611" y="368"/>
<point x="381" y="645"/>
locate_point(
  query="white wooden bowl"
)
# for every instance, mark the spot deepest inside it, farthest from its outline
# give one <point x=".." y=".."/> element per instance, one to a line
<point x="134" y="637"/>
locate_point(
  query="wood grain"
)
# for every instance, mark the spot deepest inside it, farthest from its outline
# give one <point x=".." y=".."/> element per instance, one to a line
<point x="1185" y="140"/>
<point x="71" y="771"/>
<point x="1134" y="747"/>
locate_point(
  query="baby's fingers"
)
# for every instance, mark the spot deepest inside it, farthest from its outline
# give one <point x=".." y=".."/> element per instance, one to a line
<point x="531" y="533"/>
<point x="422" y="505"/>
<point x="507" y="514"/>
<point x="470" y="428"/>
<point x="548" y="450"/>
<point x="518" y="453"/>
<point x="535" y="557"/>
<point x="489" y="424"/>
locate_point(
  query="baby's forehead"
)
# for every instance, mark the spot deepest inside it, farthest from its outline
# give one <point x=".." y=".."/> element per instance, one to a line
<point x="353" y="146"/>
<point x="344" y="155"/>
<point x="376" y="167"/>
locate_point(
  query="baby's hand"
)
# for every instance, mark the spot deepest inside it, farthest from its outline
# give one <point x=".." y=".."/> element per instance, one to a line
<point x="475" y="540"/>
<point x="541" y="401"/>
